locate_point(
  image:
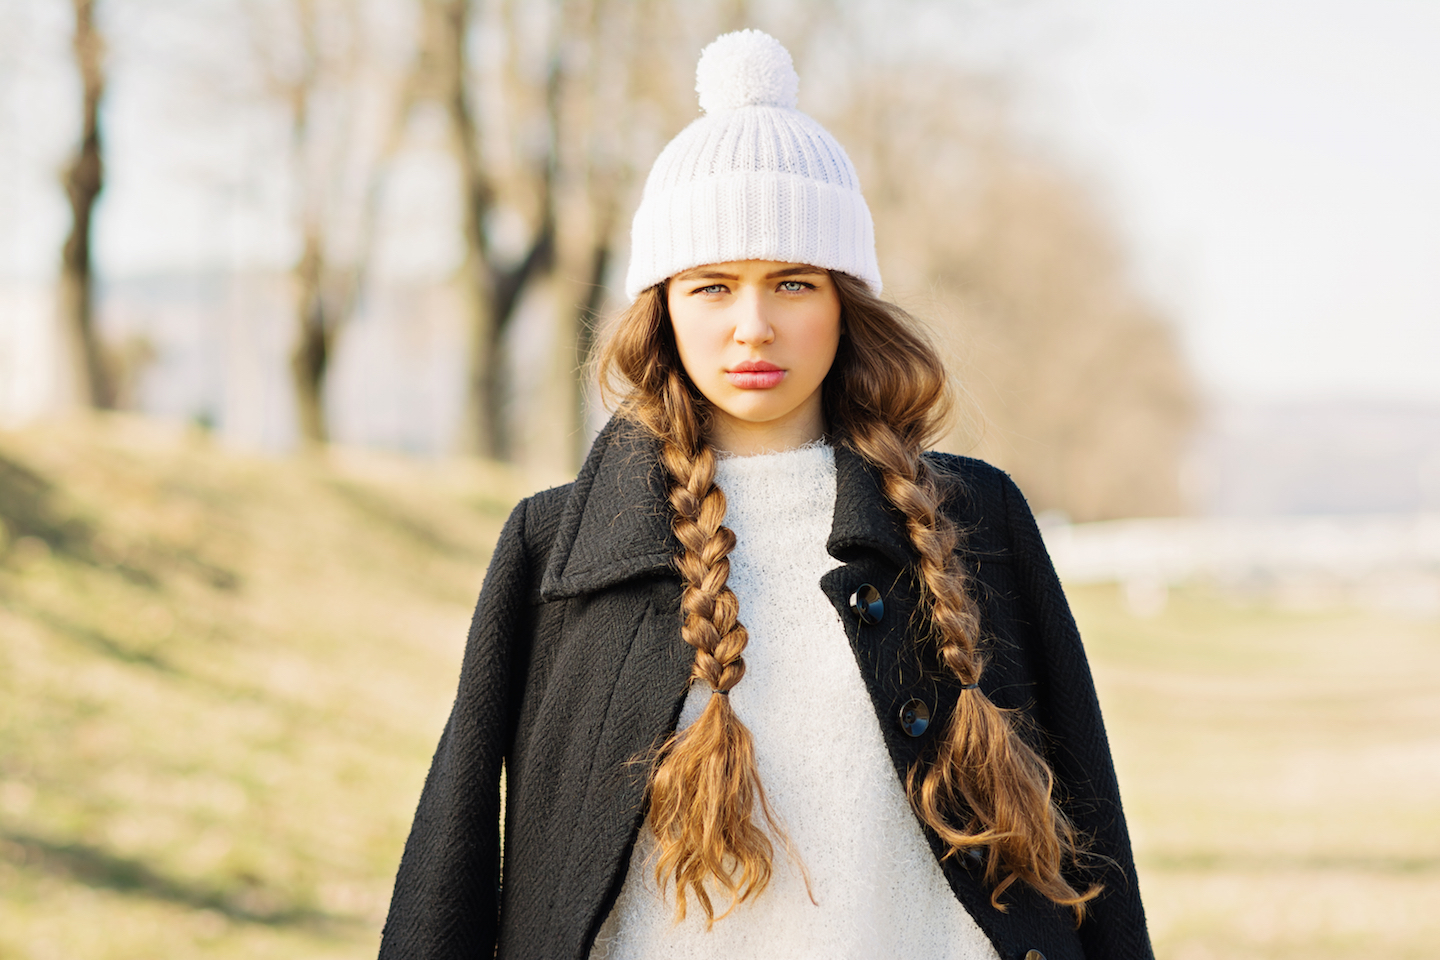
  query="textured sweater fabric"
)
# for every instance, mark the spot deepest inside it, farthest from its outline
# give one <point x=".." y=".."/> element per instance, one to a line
<point x="878" y="890"/>
<point x="574" y="668"/>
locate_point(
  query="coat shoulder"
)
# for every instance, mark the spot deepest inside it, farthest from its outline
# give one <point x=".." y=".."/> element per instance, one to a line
<point x="970" y="477"/>
<point x="539" y="515"/>
<point x="543" y="511"/>
<point x="980" y="498"/>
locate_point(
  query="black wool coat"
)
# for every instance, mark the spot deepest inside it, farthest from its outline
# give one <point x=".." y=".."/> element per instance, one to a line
<point x="574" y="668"/>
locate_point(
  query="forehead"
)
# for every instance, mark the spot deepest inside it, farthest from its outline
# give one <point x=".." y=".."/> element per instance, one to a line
<point x="748" y="269"/>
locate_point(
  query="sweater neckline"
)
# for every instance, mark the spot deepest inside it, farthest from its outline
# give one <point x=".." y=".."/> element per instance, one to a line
<point x="724" y="456"/>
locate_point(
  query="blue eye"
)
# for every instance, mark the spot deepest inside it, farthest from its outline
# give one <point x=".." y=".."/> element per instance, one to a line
<point x="794" y="286"/>
<point x="713" y="288"/>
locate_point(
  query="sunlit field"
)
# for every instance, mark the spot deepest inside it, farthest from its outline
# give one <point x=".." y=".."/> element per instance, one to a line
<point x="1281" y="772"/>
<point x="221" y="678"/>
<point x="220" y="682"/>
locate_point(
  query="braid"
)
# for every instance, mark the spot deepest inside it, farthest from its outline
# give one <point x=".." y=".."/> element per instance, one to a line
<point x="909" y="483"/>
<point x="705" y="786"/>
<point x="986" y="788"/>
<point x="983" y="766"/>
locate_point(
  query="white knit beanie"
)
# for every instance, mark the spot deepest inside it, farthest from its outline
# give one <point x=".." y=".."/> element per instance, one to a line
<point x="752" y="179"/>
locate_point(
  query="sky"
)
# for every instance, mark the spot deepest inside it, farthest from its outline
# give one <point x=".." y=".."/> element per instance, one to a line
<point x="1274" y="168"/>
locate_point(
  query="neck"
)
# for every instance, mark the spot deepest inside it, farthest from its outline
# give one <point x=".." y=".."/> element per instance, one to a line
<point x="743" y="439"/>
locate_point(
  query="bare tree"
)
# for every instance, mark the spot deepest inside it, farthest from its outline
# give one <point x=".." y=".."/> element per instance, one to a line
<point x="491" y="284"/>
<point x="625" y="85"/>
<point x="84" y="178"/>
<point x="1074" y="382"/>
<point x="338" y="158"/>
<point x="560" y="150"/>
<point x="594" y="96"/>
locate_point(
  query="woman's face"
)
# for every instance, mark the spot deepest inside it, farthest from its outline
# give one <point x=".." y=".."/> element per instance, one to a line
<point x="757" y="338"/>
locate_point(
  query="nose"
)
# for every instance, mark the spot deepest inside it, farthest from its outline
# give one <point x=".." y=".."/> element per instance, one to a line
<point x="752" y="326"/>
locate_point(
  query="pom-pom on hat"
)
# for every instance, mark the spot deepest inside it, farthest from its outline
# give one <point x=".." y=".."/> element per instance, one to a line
<point x="746" y="69"/>
<point x="752" y="179"/>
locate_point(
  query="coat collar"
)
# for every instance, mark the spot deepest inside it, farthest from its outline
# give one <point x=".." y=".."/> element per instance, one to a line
<point x="616" y="521"/>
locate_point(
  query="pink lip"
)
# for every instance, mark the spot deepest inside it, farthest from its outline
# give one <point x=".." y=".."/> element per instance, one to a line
<point x="754" y="375"/>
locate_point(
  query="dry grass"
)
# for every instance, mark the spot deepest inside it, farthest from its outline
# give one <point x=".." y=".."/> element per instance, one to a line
<point x="1281" y="772"/>
<point x="220" y="682"/>
<point x="221" y="678"/>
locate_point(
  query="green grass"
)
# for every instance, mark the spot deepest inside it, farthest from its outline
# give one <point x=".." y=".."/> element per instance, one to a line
<point x="221" y="678"/>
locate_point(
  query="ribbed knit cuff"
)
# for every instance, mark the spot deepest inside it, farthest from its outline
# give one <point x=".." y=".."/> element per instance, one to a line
<point x="774" y="216"/>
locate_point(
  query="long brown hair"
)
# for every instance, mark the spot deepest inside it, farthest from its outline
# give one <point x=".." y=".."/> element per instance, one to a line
<point x="886" y="397"/>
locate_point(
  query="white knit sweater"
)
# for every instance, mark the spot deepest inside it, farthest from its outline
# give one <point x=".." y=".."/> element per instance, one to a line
<point x="828" y="777"/>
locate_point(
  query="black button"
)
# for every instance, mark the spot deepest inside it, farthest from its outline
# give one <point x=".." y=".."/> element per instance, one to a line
<point x="915" y="717"/>
<point x="1034" y="955"/>
<point x="866" y="602"/>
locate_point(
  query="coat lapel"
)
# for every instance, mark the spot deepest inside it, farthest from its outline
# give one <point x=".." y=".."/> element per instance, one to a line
<point x="616" y="522"/>
<point x="864" y="518"/>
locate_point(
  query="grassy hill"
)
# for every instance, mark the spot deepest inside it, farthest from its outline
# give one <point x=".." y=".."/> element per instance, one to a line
<point x="221" y="678"/>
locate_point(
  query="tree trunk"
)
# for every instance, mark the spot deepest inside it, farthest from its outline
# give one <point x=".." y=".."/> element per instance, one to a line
<point x="448" y="26"/>
<point x="330" y="275"/>
<point x="84" y="178"/>
<point x="588" y="182"/>
<point x="586" y="226"/>
<point x="587" y="319"/>
<point x="491" y="292"/>
<point x="482" y="429"/>
<point x="310" y="359"/>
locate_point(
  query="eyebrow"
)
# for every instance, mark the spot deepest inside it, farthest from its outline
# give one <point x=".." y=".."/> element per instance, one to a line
<point x="700" y="273"/>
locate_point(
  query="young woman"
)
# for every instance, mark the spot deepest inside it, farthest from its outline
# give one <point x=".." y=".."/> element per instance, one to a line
<point x="768" y="680"/>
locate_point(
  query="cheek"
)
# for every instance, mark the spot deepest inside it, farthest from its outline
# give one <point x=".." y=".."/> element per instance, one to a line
<point x="823" y="336"/>
<point x="689" y="344"/>
<point x="680" y="329"/>
<point x="697" y="342"/>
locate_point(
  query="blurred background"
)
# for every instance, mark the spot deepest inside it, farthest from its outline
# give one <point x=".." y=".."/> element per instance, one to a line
<point x="294" y="300"/>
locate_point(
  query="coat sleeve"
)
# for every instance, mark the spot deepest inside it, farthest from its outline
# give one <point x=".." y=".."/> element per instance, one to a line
<point x="1069" y="712"/>
<point x="446" y="901"/>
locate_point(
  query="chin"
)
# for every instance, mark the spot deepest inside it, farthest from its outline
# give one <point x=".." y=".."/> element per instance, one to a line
<point x="756" y="418"/>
